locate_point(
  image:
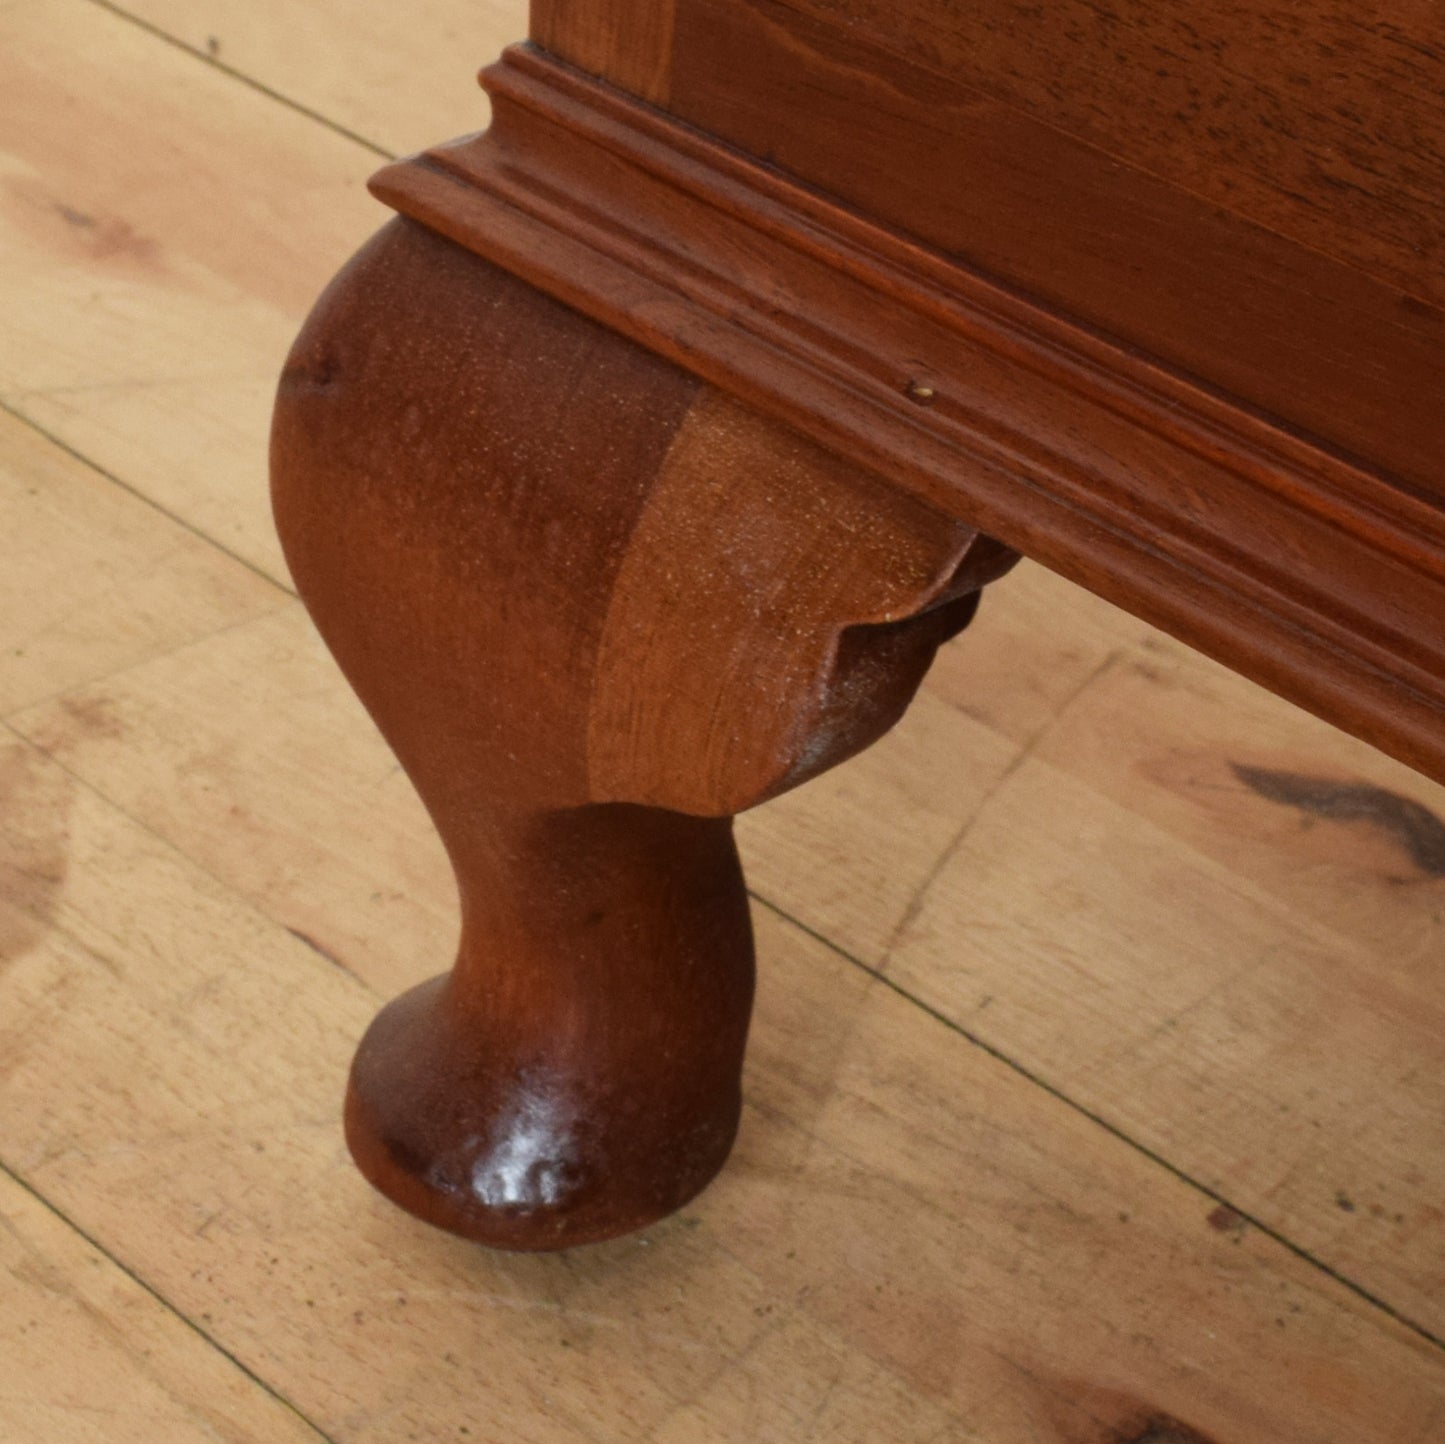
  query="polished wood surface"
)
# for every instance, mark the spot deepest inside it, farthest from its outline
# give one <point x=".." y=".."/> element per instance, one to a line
<point x="1310" y="572"/>
<point x="1315" y="571"/>
<point x="1255" y="194"/>
<point x="596" y="607"/>
<point x="1316" y="121"/>
<point x="1213" y="1010"/>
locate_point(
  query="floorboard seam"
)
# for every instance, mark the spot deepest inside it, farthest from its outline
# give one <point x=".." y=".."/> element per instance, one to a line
<point x="249" y="81"/>
<point x="20" y="1182"/>
<point x="10" y="409"/>
<point x="1023" y="1071"/>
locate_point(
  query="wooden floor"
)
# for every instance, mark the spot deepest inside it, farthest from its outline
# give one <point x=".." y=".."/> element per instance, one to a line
<point x="1097" y="1091"/>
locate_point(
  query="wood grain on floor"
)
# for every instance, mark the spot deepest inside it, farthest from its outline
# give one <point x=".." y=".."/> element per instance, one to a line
<point x="1097" y="1091"/>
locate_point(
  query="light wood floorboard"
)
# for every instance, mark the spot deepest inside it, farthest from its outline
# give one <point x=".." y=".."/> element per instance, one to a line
<point x="1096" y="1091"/>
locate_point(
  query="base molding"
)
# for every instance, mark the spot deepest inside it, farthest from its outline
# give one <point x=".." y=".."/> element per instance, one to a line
<point x="1286" y="559"/>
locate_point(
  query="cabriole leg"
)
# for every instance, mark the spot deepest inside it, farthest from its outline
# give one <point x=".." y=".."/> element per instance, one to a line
<point x="597" y="608"/>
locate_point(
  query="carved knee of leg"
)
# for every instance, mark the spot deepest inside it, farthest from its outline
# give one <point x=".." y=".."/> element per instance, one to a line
<point x="458" y="463"/>
<point x="607" y="578"/>
<point x="774" y="613"/>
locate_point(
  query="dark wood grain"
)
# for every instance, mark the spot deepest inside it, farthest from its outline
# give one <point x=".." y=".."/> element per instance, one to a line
<point x="630" y="43"/>
<point x="1278" y="321"/>
<point x="1320" y="120"/>
<point x="595" y="607"/>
